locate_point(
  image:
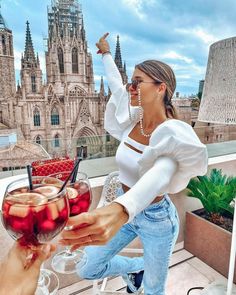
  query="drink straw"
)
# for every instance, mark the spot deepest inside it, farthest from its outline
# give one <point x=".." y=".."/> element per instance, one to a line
<point x="30" y="177"/>
<point x="68" y="178"/>
<point x="73" y="179"/>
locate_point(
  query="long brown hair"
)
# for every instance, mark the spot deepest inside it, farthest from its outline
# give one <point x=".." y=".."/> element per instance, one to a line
<point x="161" y="73"/>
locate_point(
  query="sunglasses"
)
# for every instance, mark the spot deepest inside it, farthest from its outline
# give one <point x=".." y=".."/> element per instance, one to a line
<point x="134" y="84"/>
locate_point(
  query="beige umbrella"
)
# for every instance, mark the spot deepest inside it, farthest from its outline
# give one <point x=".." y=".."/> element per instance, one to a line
<point x="218" y="105"/>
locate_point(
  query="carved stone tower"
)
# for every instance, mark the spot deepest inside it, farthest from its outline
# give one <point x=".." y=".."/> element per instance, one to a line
<point x="67" y="59"/>
<point x="31" y="74"/>
<point x="7" y="70"/>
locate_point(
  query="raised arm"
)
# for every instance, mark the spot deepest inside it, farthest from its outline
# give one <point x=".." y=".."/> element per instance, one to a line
<point x="112" y="73"/>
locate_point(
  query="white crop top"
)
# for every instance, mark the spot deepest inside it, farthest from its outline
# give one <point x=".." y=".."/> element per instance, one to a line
<point x="127" y="161"/>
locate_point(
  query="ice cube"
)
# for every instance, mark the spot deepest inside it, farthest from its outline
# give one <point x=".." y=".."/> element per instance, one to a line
<point x="52" y="211"/>
<point x="19" y="210"/>
<point x="61" y="204"/>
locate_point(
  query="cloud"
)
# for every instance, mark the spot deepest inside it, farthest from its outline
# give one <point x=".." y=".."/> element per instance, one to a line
<point x="176" y="56"/>
<point x="200" y="33"/>
<point x="137" y="6"/>
<point x="15" y="2"/>
<point x="177" y="32"/>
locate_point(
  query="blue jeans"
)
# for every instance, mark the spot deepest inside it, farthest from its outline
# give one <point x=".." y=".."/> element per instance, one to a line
<point x="157" y="227"/>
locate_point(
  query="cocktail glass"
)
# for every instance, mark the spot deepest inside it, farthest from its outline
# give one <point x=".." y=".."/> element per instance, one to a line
<point x="36" y="216"/>
<point x="79" y="195"/>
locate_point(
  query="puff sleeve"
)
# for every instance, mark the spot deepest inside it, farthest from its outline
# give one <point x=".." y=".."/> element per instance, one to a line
<point x="174" y="155"/>
<point x="118" y="114"/>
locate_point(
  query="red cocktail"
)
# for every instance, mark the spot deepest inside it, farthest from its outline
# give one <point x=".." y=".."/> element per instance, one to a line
<point x="36" y="216"/>
<point x="79" y="196"/>
<point x="79" y="193"/>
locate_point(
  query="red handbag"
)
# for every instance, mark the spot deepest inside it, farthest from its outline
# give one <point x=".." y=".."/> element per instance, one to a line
<point x="51" y="166"/>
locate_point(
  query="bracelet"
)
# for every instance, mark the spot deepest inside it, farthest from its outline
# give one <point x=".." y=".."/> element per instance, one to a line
<point x="106" y="52"/>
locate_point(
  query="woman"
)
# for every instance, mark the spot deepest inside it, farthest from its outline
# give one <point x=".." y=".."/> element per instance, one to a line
<point x="158" y="154"/>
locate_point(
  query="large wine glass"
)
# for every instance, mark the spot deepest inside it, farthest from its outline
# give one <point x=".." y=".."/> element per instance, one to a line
<point x="79" y="195"/>
<point x="36" y="216"/>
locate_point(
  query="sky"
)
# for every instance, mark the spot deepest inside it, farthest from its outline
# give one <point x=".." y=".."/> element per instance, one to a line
<point x="176" y="32"/>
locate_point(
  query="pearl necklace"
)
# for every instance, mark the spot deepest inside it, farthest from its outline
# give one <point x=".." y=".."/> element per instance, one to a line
<point x="141" y="116"/>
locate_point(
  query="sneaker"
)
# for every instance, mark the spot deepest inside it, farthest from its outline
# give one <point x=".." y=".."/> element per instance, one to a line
<point x="134" y="282"/>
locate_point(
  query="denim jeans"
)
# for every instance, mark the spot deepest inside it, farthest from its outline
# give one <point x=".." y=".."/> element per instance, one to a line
<point x="157" y="227"/>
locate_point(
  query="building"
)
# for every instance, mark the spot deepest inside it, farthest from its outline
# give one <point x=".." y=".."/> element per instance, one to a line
<point x="66" y="111"/>
<point x="200" y="88"/>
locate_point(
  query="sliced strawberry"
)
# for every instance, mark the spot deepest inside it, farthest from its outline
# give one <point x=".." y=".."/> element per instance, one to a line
<point x="48" y="225"/>
<point x="76" y="185"/>
<point x="75" y="210"/>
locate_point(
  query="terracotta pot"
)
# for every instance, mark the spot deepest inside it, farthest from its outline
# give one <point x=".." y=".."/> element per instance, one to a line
<point x="209" y="242"/>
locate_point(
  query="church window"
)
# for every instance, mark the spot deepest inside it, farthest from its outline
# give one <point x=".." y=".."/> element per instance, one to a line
<point x="61" y="60"/>
<point x="10" y="46"/>
<point x="38" y="139"/>
<point x="4" y="47"/>
<point x="33" y="83"/>
<point x="108" y="137"/>
<point x="55" y="119"/>
<point x="74" y="60"/>
<point x="36" y="117"/>
<point x="56" y="141"/>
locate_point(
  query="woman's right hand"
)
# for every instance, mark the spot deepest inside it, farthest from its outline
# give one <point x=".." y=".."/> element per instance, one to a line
<point x="96" y="227"/>
<point x="102" y="45"/>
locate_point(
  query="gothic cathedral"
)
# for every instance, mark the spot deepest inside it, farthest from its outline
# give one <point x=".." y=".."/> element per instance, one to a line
<point x="65" y="112"/>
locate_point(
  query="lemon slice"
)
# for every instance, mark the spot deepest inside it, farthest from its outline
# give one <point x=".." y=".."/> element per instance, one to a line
<point x="72" y="193"/>
<point x="47" y="190"/>
<point x="23" y="202"/>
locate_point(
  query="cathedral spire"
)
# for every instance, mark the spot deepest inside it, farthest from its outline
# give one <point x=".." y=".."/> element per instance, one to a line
<point x="29" y="55"/>
<point x="82" y="29"/>
<point x="3" y="24"/>
<point x="118" y="59"/>
<point x="102" y="89"/>
<point x="124" y="67"/>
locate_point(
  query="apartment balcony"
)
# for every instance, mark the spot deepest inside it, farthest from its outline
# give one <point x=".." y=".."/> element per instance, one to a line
<point x="186" y="270"/>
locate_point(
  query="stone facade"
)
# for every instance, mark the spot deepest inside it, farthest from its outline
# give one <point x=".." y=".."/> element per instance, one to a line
<point x="7" y="73"/>
<point x="66" y="112"/>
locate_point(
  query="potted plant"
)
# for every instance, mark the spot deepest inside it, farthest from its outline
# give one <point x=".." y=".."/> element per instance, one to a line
<point x="208" y="230"/>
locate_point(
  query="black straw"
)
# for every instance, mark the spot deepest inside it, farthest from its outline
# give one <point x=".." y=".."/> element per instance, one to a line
<point x="73" y="179"/>
<point x="30" y="177"/>
<point x="68" y="178"/>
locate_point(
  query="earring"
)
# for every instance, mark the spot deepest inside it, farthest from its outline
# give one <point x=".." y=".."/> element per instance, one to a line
<point x="129" y="103"/>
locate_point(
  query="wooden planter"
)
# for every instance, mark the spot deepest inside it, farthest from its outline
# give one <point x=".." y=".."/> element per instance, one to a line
<point x="208" y="242"/>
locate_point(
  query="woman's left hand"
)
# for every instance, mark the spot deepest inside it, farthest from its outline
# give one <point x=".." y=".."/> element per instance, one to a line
<point x="19" y="271"/>
<point x="96" y="227"/>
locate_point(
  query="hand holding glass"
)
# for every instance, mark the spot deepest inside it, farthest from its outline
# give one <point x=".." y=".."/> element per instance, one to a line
<point x="36" y="216"/>
<point x="79" y="196"/>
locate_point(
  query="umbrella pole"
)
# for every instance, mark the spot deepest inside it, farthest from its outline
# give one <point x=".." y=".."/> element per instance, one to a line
<point x="232" y="255"/>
